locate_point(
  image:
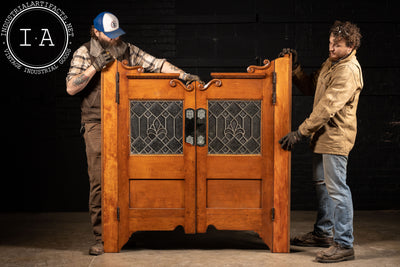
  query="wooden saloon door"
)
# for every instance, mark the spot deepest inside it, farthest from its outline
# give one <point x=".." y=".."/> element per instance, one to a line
<point x="149" y="172"/>
<point x="196" y="155"/>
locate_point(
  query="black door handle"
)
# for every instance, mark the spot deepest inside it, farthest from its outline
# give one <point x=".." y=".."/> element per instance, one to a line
<point x="189" y="126"/>
<point x="201" y="126"/>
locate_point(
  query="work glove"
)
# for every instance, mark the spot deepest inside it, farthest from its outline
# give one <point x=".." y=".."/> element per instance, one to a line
<point x="290" y="139"/>
<point x="102" y="60"/>
<point x="189" y="78"/>
<point x="285" y="51"/>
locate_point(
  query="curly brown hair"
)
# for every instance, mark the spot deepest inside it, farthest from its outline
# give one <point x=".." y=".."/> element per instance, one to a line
<point x="347" y="31"/>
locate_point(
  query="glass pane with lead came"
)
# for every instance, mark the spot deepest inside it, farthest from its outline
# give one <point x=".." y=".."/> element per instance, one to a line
<point x="156" y="127"/>
<point x="234" y="127"/>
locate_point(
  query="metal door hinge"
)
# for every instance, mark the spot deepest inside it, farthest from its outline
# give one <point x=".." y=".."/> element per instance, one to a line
<point x="117" y="87"/>
<point x="273" y="88"/>
<point x="273" y="214"/>
<point x="118" y="213"/>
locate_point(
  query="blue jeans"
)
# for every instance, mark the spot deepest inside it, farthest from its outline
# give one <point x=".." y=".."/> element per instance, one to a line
<point x="335" y="205"/>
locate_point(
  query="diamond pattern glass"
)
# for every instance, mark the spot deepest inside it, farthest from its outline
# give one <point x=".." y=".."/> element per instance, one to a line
<point x="156" y="127"/>
<point x="234" y="127"/>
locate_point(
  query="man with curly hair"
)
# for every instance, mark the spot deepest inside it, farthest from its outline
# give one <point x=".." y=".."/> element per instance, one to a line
<point x="332" y="127"/>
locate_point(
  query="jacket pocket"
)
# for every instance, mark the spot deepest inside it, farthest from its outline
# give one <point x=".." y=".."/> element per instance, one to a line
<point x="334" y="132"/>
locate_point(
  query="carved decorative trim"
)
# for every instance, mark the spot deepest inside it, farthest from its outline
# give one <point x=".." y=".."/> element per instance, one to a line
<point x="175" y="82"/>
<point x="139" y="69"/>
<point x="238" y="75"/>
<point x="252" y="68"/>
<point x="152" y="76"/>
<point x="218" y="83"/>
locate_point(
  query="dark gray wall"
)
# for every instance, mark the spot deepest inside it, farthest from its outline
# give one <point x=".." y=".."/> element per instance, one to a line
<point x="45" y="167"/>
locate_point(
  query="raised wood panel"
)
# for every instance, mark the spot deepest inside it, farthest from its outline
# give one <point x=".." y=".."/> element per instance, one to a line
<point x="155" y="219"/>
<point x="234" y="194"/>
<point x="157" y="89"/>
<point x="157" y="167"/>
<point x="157" y="194"/>
<point x="234" y="167"/>
<point x="236" y="219"/>
<point x="238" y="89"/>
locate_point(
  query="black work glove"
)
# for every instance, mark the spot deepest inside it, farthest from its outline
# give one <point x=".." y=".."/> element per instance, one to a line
<point x="290" y="139"/>
<point x="102" y="60"/>
<point x="285" y="51"/>
<point x="189" y="78"/>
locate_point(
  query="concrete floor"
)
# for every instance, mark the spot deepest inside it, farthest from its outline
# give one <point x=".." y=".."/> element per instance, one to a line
<point x="63" y="239"/>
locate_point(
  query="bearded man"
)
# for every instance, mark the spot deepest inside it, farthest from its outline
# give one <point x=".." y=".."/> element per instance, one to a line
<point x="83" y="77"/>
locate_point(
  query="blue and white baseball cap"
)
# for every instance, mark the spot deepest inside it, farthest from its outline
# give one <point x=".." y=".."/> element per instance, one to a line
<point x="108" y="23"/>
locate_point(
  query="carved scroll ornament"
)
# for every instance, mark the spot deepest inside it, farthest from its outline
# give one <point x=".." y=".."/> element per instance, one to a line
<point x="218" y="83"/>
<point x="252" y="68"/>
<point x="175" y="82"/>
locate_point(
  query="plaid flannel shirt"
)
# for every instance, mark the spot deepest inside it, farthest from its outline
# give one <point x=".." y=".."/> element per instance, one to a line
<point x="81" y="60"/>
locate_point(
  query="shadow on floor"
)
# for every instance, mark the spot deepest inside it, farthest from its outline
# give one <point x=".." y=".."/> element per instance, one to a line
<point x="212" y="239"/>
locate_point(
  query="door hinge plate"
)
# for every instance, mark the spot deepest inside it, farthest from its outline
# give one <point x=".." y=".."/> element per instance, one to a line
<point x="273" y="214"/>
<point x="273" y="88"/>
<point x="117" y="87"/>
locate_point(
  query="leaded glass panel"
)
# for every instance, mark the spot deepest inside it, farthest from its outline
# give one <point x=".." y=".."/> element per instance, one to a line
<point x="234" y="127"/>
<point x="156" y="127"/>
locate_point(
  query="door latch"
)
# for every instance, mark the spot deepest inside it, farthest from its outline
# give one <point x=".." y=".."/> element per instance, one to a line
<point x="195" y="126"/>
<point x="189" y="126"/>
<point x="201" y="126"/>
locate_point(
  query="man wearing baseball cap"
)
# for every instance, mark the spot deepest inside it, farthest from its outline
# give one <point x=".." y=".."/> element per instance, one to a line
<point x="83" y="77"/>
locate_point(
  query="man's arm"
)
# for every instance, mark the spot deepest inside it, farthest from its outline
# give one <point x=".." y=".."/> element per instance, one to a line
<point x="82" y="69"/>
<point x="169" y="68"/>
<point x="337" y="94"/>
<point x="306" y="83"/>
<point x="152" y="64"/>
<point x="79" y="82"/>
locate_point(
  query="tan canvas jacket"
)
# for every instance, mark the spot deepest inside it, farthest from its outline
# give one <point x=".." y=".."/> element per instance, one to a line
<point x="333" y="121"/>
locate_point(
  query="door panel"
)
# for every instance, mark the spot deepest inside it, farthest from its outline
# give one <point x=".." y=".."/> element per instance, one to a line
<point x="160" y="166"/>
<point x="234" y="169"/>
